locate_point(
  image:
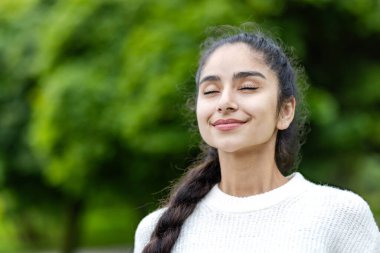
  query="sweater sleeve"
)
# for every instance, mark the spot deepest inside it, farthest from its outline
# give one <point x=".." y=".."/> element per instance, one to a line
<point x="145" y="229"/>
<point x="358" y="231"/>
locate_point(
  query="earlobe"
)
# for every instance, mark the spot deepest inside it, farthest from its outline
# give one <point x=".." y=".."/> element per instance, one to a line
<point x="286" y="114"/>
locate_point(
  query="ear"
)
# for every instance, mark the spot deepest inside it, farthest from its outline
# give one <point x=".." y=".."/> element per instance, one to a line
<point x="286" y="114"/>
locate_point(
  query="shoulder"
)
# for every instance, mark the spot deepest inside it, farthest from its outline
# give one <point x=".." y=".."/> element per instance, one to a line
<point x="145" y="229"/>
<point x="340" y="199"/>
<point x="326" y="196"/>
<point x="346" y="216"/>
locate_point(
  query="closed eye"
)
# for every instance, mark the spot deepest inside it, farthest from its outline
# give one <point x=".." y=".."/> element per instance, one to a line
<point x="248" y="88"/>
<point x="210" y="92"/>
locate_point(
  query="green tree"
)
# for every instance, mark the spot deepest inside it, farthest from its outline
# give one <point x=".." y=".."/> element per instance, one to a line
<point x="93" y="94"/>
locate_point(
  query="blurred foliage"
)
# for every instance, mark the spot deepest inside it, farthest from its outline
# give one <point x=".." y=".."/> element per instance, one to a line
<point x="93" y="106"/>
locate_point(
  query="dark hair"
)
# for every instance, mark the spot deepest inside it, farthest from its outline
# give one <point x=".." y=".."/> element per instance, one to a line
<point x="201" y="177"/>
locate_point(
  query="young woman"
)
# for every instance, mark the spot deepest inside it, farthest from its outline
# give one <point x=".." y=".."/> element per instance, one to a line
<point x="238" y="197"/>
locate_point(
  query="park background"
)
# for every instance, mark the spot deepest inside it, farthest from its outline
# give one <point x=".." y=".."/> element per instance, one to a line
<point x="94" y="123"/>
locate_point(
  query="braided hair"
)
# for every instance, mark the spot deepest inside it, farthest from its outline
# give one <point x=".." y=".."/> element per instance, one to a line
<point x="201" y="177"/>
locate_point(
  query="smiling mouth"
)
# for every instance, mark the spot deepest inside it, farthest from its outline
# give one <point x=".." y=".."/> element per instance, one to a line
<point x="227" y="124"/>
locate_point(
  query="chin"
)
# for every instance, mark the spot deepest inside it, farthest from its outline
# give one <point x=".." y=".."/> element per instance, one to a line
<point x="227" y="147"/>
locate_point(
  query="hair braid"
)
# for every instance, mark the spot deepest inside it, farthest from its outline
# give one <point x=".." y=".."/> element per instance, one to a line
<point x="195" y="184"/>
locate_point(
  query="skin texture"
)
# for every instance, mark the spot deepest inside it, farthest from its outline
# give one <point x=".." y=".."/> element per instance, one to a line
<point x="236" y="84"/>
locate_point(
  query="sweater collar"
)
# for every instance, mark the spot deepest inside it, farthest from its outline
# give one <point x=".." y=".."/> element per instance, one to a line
<point x="218" y="200"/>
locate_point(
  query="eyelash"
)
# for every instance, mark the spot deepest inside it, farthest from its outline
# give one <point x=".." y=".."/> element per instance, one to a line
<point x="242" y="88"/>
<point x="209" y="92"/>
<point x="248" y="88"/>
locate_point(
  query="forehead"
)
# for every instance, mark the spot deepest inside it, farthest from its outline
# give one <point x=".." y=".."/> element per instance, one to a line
<point x="232" y="58"/>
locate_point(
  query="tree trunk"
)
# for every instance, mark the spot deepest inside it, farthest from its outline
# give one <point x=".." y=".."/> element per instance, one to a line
<point x="72" y="230"/>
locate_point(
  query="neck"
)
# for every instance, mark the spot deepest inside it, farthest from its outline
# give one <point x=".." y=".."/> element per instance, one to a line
<point x="252" y="172"/>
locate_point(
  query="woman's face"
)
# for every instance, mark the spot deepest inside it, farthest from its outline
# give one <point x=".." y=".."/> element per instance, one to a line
<point x="237" y="100"/>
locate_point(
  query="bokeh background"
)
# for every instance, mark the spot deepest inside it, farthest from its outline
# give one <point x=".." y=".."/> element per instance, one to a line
<point x="93" y="118"/>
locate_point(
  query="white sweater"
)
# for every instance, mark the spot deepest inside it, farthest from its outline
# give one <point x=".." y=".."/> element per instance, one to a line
<point x="297" y="217"/>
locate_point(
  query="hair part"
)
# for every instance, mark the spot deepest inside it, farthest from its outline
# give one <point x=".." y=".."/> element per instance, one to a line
<point x="203" y="175"/>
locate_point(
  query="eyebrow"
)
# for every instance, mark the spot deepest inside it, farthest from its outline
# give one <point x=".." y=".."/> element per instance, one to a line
<point x="209" y="78"/>
<point x="238" y="75"/>
<point x="244" y="74"/>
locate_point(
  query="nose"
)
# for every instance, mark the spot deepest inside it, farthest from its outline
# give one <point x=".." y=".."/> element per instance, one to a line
<point x="227" y="102"/>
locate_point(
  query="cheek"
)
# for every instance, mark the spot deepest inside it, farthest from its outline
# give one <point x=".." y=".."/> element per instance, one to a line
<point x="202" y="121"/>
<point x="203" y="111"/>
<point x="264" y="108"/>
<point x="198" y="112"/>
<point x="203" y="114"/>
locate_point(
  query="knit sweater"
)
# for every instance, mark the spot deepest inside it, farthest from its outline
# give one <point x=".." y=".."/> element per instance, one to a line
<point x="299" y="216"/>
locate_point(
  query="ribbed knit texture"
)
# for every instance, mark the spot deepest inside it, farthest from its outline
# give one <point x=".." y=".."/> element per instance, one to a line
<point x="299" y="216"/>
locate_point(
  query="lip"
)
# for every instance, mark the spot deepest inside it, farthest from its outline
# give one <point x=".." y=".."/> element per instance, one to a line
<point x="228" y="124"/>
